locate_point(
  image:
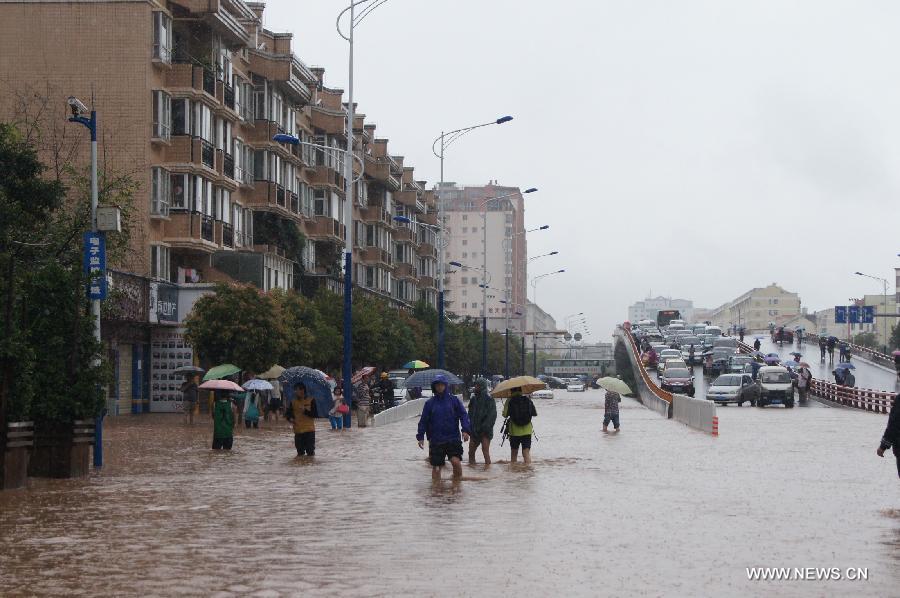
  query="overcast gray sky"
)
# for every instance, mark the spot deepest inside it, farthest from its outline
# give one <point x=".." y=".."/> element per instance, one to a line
<point x="693" y="149"/>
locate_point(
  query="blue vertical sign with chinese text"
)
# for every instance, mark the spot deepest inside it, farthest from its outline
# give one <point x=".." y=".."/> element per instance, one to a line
<point x="868" y="314"/>
<point x="95" y="264"/>
<point x="853" y="314"/>
<point x="840" y="314"/>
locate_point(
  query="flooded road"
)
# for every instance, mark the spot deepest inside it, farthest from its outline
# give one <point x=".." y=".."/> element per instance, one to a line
<point x="657" y="509"/>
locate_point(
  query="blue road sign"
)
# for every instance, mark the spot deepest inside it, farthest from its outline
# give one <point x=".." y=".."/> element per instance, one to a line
<point x="840" y="314"/>
<point x="868" y="314"/>
<point x="95" y="264"/>
<point x="853" y="314"/>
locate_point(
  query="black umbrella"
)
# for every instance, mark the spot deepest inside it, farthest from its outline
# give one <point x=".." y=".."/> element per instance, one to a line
<point x="188" y="370"/>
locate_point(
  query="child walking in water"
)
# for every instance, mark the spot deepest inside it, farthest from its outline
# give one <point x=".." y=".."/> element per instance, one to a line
<point x="335" y="416"/>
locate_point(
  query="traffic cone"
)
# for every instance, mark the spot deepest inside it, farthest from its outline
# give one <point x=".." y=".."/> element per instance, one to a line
<point x="715" y="425"/>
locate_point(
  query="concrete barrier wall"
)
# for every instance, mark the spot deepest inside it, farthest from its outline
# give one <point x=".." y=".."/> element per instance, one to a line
<point x="648" y="393"/>
<point x="696" y="413"/>
<point x="394" y="414"/>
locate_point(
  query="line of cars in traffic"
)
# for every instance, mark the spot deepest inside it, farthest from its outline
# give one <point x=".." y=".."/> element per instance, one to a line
<point x="675" y="350"/>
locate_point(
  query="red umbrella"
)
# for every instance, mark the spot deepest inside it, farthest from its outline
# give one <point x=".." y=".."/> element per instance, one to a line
<point x="361" y="373"/>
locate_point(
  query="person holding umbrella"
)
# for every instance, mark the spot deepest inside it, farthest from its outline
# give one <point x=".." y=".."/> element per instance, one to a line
<point x="483" y="416"/>
<point x="442" y="417"/>
<point x="222" y="413"/>
<point x="189" y="395"/>
<point x="804" y="381"/>
<point x="302" y="413"/>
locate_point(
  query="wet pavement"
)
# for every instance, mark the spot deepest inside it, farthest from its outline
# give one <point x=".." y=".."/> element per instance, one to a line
<point x="655" y="510"/>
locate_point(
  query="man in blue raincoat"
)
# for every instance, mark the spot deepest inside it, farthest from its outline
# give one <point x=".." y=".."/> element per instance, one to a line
<point x="442" y="418"/>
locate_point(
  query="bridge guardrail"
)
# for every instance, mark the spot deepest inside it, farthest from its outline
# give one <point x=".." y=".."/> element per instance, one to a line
<point x="651" y="384"/>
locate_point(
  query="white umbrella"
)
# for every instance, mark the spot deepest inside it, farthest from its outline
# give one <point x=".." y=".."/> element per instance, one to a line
<point x="257" y="384"/>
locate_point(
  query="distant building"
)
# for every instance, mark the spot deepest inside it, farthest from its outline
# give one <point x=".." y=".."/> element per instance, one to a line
<point x="536" y="319"/>
<point x="649" y="307"/>
<point x="757" y="308"/>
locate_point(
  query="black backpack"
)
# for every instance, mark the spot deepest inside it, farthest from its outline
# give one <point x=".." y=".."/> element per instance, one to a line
<point x="521" y="410"/>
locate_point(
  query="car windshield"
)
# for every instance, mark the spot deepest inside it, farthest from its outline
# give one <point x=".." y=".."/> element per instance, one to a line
<point x="727" y="381"/>
<point x="677" y="373"/>
<point x="690" y="340"/>
<point x="775" y="378"/>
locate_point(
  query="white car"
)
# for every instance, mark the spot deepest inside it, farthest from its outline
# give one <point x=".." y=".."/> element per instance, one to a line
<point x="542" y="394"/>
<point x="575" y="387"/>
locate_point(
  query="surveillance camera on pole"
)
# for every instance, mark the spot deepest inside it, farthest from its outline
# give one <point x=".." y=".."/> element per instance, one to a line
<point x="78" y="108"/>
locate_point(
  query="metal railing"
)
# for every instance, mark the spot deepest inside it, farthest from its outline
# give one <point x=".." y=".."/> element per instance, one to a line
<point x="228" y="96"/>
<point x="209" y="82"/>
<point x="228" y="165"/>
<point x="206" y="229"/>
<point x="227" y="235"/>
<point x="207" y="153"/>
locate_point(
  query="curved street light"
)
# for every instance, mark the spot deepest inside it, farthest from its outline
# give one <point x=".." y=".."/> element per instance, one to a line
<point x="536" y="257"/>
<point x="446" y="139"/>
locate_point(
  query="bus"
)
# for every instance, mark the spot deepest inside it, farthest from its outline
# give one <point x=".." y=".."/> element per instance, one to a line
<point x="667" y="315"/>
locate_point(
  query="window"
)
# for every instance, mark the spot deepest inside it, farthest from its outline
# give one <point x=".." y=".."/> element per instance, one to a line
<point x="181" y="122"/>
<point x="180" y="187"/>
<point x="465" y="229"/>
<point x="465" y="242"/>
<point x="320" y="203"/>
<point x="465" y="217"/>
<point x="465" y="255"/>
<point x="465" y="305"/>
<point x="465" y="280"/>
<point x="203" y="126"/>
<point x="162" y="37"/>
<point x="159" y="262"/>
<point x="160" y="189"/>
<point x="162" y="115"/>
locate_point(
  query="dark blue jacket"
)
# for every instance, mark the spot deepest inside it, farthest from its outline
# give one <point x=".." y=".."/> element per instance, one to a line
<point x="441" y="419"/>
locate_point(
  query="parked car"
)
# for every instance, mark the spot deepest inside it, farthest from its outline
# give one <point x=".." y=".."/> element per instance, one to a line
<point x="677" y="380"/>
<point x="553" y="381"/>
<point x="717" y="362"/>
<point x="733" y="388"/>
<point x="775" y="386"/>
<point x="542" y="394"/>
<point x="577" y="386"/>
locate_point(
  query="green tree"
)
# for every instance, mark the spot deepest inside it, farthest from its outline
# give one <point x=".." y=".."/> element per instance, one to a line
<point x="238" y="324"/>
<point x="895" y="338"/>
<point x="866" y="339"/>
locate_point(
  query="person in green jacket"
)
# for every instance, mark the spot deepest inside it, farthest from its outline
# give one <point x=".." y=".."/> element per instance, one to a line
<point x="223" y="422"/>
<point x="519" y="409"/>
<point x="483" y="416"/>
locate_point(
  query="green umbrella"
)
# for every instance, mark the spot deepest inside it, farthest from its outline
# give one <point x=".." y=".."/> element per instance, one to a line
<point x="220" y="371"/>
<point x="614" y="384"/>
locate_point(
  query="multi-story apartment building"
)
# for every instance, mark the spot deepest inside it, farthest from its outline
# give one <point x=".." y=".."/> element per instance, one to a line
<point x="649" y="307"/>
<point x="189" y="96"/>
<point x="757" y="308"/>
<point x="467" y="213"/>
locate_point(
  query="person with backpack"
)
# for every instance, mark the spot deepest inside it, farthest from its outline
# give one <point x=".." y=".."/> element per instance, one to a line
<point x="442" y="417"/>
<point x="519" y="409"/>
<point x="611" y="410"/>
<point x="483" y="416"/>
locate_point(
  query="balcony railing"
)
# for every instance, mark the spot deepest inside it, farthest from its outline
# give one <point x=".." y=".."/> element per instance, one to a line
<point x="279" y="196"/>
<point x="227" y="235"/>
<point x="209" y="82"/>
<point x="228" y="161"/>
<point x="206" y="229"/>
<point x="229" y="97"/>
<point x="208" y="153"/>
<point x="294" y="201"/>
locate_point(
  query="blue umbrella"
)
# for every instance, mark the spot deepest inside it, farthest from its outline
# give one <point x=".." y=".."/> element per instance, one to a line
<point x="316" y="385"/>
<point x="773" y="355"/>
<point x="845" y="366"/>
<point x="424" y="378"/>
<point x="770" y="359"/>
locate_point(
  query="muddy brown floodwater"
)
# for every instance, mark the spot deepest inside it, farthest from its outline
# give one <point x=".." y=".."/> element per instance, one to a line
<point x="656" y="510"/>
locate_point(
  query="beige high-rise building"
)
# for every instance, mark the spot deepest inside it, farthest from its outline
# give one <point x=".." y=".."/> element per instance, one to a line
<point x="467" y="213"/>
<point x="189" y="95"/>
<point x="757" y="308"/>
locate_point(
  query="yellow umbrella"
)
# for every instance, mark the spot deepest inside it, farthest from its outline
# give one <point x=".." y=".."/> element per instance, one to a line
<point x="528" y="385"/>
<point x="272" y="373"/>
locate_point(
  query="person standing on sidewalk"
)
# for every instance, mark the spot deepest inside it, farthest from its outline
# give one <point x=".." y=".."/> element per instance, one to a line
<point x="519" y="409"/>
<point x="804" y="381"/>
<point x="363" y="402"/>
<point x="223" y="422"/>
<point x="483" y="416"/>
<point x="442" y="417"/>
<point x="302" y="412"/>
<point x="891" y="437"/>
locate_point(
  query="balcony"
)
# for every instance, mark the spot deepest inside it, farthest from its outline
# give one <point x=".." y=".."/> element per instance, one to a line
<point x="207" y="154"/>
<point x="376" y="255"/>
<point x="325" y="228"/>
<point x="280" y="196"/>
<point x="429" y="218"/>
<point x="266" y="194"/>
<point x="228" y="96"/>
<point x="293" y="202"/>
<point x="375" y="215"/>
<point x="207" y="229"/>
<point x="326" y="176"/>
<point x="404" y="270"/>
<point x="189" y="230"/>
<point x="427" y="282"/>
<point x="228" y="165"/>
<point x="227" y="235"/>
<point x="209" y="82"/>
<point x="332" y="122"/>
<point x="403" y="234"/>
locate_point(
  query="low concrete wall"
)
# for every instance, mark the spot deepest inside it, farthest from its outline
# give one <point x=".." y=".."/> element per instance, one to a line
<point x="400" y="412"/>
<point x="696" y="413"/>
<point x="649" y="396"/>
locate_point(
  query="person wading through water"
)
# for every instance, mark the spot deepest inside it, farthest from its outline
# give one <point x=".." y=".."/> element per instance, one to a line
<point x="519" y="409"/>
<point x="483" y="416"/>
<point x="442" y="417"/>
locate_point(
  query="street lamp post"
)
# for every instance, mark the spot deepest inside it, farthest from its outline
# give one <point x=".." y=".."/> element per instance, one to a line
<point x="884" y="309"/>
<point x="77" y="108"/>
<point x="446" y="139"/>
<point x="485" y="280"/>
<point x="537" y="279"/>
